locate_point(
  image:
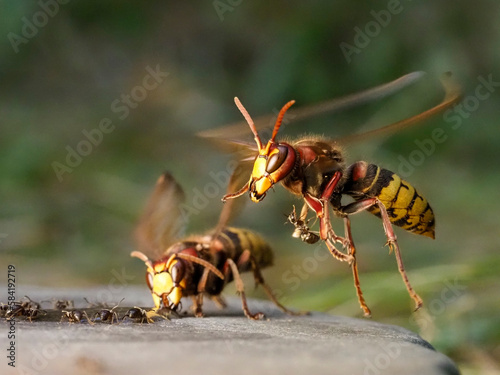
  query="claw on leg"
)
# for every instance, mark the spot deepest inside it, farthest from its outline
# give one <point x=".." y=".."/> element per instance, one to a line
<point x="240" y="287"/>
<point x="391" y="239"/>
<point x="197" y="305"/>
<point x="354" y="266"/>
<point x="326" y="232"/>
<point x="259" y="280"/>
<point x="219" y="301"/>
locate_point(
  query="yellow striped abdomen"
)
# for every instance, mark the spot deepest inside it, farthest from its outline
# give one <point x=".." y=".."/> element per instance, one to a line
<point x="237" y="240"/>
<point x="405" y="206"/>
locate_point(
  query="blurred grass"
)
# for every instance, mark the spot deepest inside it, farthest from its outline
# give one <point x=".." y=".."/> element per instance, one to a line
<point x="65" y="79"/>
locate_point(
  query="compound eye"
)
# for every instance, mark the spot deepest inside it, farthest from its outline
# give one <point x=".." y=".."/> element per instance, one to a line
<point x="177" y="272"/>
<point x="277" y="159"/>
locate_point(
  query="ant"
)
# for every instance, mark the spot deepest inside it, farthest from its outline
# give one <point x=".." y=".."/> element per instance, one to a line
<point x="138" y="314"/>
<point x="75" y="316"/>
<point x="3" y="308"/>
<point x="108" y="314"/>
<point x="29" y="309"/>
<point x="301" y="229"/>
<point x="60" y="304"/>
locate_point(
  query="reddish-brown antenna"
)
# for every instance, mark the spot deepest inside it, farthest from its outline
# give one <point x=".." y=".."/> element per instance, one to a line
<point x="141" y="256"/>
<point x="280" y="119"/>
<point x="202" y="262"/>
<point x="249" y="121"/>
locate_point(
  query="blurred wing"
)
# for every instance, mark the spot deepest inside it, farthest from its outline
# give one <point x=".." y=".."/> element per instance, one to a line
<point x="232" y="207"/>
<point x="162" y="220"/>
<point x="233" y="131"/>
<point x="453" y="94"/>
<point x="243" y="149"/>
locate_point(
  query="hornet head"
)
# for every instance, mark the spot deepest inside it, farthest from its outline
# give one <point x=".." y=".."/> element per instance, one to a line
<point x="274" y="162"/>
<point x="167" y="278"/>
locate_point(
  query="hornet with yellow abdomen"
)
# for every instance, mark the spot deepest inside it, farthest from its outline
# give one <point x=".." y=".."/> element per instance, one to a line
<point x="405" y="207"/>
<point x="197" y="265"/>
<point x="313" y="168"/>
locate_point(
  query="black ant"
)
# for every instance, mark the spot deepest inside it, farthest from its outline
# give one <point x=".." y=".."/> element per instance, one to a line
<point x="301" y="229"/>
<point x="29" y="309"/>
<point x="3" y="308"/>
<point x="75" y="316"/>
<point x="141" y="315"/>
<point x="108" y="314"/>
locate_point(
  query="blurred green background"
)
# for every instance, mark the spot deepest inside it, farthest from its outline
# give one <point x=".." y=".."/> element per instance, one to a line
<point x="66" y="67"/>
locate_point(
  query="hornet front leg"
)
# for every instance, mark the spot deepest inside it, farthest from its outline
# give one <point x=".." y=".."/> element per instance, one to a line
<point x="321" y="207"/>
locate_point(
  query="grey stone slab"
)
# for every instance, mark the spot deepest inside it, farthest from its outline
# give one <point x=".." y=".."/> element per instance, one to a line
<point x="224" y="342"/>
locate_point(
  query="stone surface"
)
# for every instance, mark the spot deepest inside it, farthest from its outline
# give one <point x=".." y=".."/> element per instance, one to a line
<point x="224" y="342"/>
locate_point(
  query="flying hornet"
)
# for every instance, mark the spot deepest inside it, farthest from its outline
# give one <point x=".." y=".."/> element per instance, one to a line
<point x="199" y="265"/>
<point x="313" y="168"/>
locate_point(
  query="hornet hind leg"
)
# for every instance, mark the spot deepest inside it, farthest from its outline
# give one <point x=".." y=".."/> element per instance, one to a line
<point x="354" y="266"/>
<point x="347" y="242"/>
<point x="259" y="280"/>
<point x="240" y="288"/>
<point x="365" y="204"/>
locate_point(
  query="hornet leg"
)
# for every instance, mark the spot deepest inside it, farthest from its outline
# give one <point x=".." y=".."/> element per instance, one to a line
<point x="240" y="287"/>
<point x="321" y="207"/>
<point x="197" y="305"/>
<point x="354" y="265"/>
<point x="259" y="280"/>
<point x="365" y="204"/>
<point x="219" y="301"/>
